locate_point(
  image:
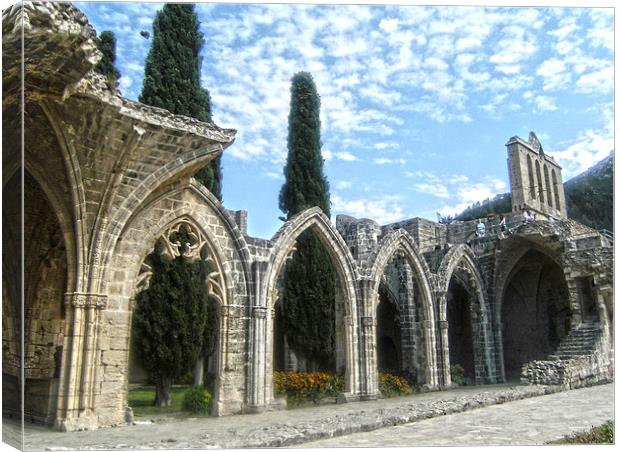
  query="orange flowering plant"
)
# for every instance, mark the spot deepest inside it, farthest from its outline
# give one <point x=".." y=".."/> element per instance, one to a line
<point x="393" y="385"/>
<point x="299" y="387"/>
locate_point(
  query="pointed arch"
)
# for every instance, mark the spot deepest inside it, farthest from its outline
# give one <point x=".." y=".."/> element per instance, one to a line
<point x="530" y="178"/>
<point x="540" y="187"/>
<point x="283" y="244"/>
<point x="284" y="241"/>
<point x="400" y="241"/>
<point x="556" y="193"/>
<point x="548" y="186"/>
<point x="184" y="202"/>
<point x="461" y="259"/>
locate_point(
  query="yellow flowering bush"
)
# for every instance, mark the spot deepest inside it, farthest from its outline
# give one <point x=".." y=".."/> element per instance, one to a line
<point x="393" y="385"/>
<point x="299" y="387"/>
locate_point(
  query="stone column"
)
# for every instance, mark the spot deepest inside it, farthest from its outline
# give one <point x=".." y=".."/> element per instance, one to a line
<point x="369" y="387"/>
<point x="79" y="375"/>
<point x="431" y="355"/>
<point x="223" y="365"/>
<point x="369" y="338"/>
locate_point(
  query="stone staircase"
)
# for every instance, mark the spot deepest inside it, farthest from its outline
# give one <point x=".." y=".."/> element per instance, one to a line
<point x="580" y="341"/>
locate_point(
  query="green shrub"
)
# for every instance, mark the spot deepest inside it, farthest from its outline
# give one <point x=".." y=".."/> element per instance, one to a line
<point x="393" y="385"/>
<point x="197" y="400"/>
<point x="603" y="434"/>
<point x="457" y="374"/>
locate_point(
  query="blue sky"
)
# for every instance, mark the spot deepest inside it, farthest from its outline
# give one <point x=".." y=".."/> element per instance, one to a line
<point x="417" y="102"/>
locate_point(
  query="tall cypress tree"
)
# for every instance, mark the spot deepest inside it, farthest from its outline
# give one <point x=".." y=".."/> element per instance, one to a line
<point x="106" y="66"/>
<point x="172" y="81"/>
<point x="167" y="316"/>
<point x="172" y="75"/>
<point x="308" y="294"/>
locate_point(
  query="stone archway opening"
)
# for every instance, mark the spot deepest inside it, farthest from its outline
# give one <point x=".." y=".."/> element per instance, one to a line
<point x="460" y="335"/>
<point x="400" y="315"/>
<point x="45" y="283"/>
<point x="183" y="242"/>
<point x="292" y="354"/>
<point x="389" y="347"/>
<point x="535" y="311"/>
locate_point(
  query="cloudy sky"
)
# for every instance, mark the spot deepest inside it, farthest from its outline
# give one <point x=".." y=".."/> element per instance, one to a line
<point x="417" y="102"/>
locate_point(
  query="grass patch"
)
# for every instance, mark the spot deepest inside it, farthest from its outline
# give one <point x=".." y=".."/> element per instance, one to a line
<point x="603" y="434"/>
<point x="141" y="399"/>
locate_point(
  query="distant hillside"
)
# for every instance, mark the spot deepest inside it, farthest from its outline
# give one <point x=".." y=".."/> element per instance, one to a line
<point x="590" y="195"/>
<point x="589" y="198"/>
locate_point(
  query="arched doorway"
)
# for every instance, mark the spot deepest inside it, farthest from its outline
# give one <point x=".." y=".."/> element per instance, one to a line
<point x="45" y="283"/>
<point x="400" y="274"/>
<point x="389" y="346"/>
<point x="344" y="353"/>
<point x="535" y="311"/>
<point x="305" y="327"/>
<point x="183" y="251"/>
<point x="460" y="338"/>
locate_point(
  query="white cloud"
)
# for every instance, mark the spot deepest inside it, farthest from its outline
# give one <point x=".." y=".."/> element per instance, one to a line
<point x="385" y="209"/>
<point x="436" y="189"/>
<point x="545" y="103"/>
<point x="343" y="185"/>
<point x="589" y="147"/>
<point x="555" y="74"/>
<point x="600" y="81"/>
<point x="388" y="161"/>
<point x="345" y="156"/>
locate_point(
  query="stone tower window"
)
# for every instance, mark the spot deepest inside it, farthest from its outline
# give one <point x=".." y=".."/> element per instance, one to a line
<point x="540" y="187"/>
<point x="548" y="185"/>
<point x="555" y="190"/>
<point x="530" y="176"/>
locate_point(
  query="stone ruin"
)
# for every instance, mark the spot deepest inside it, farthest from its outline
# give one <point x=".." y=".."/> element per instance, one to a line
<point x="104" y="178"/>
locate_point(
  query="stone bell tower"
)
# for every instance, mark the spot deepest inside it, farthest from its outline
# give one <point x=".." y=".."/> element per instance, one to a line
<point x="535" y="178"/>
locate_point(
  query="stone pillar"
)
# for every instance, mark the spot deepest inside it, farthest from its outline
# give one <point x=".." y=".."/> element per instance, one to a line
<point x="431" y="355"/>
<point x="445" y="379"/>
<point x="369" y="385"/>
<point x="369" y="338"/>
<point x="223" y="364"/>
<point x="80" y="369"/>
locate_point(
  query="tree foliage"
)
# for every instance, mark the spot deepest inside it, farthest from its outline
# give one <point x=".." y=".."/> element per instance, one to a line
<point x="172" y="75"/>
<point x="590" y="196"/>
<point x="305" y="184"/>
<point x="499" y="204"/>
<point x="106" y="66"/>
<point x="308" y="293"/>
<point x="167" y="317"/>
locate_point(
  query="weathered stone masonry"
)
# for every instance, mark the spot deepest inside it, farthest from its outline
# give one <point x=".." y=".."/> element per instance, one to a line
<point x="105" y="178"/>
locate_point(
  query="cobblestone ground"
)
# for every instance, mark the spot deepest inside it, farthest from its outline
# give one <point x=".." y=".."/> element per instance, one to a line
<point x="523" y="422"/>
<point x="287" y="428"/>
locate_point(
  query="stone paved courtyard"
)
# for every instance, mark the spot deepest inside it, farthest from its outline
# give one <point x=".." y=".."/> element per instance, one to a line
<point x="492" y="415"/>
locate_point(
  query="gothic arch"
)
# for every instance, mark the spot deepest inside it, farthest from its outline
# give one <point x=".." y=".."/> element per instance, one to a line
<point x="540" y="187"/>
<point x="533" y="307"/>
<point x="530" y="178"/>
<point x="548" y="186"/>
<point x="461" y="259"/>
<point x="284" y="240"/>
<point x="556" y="194"/>
<point x="401" y="241"/>
<point x="229" y="283"/>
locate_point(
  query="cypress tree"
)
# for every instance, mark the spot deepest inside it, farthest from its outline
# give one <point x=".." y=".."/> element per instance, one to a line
<point x="308" y="308"/>
<point x="106" y="66"/>
<point x="172" y="75"/>
<point x="166" y="318"/>
<point x="172" y="81"/>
